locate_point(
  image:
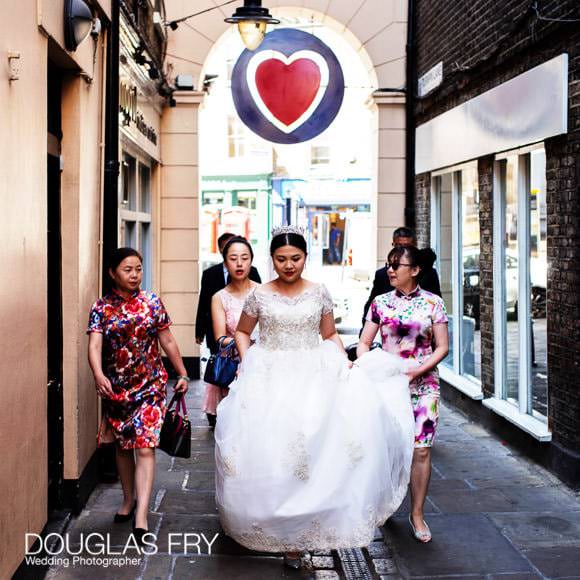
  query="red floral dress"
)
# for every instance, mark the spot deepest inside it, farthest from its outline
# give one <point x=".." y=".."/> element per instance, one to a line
<point x="132" y="362"/>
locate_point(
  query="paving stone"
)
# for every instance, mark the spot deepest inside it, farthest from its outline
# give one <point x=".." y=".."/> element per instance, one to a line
<point x="530" y="576"/>
<point x="232" y="568"/>
<point x="326" y="575"/>
<point x="556" y="561"/>
<point x="182" y="524"/>
<point x="462" y="544"/>
<point x="379" y="550"/>
<point x="539" y="530"/>
<point x="201" y="461"/>
<point x="201" y="481"/>
<point x="547" y="498"/>
<point x="384" y="566"/>
<point x="470" y="501"/>
<point x="158" y="568"/>
<point x="326" y="562"/>
<point x="188" y="502"/>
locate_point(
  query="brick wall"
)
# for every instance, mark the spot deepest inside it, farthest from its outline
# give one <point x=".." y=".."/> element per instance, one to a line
<point x="485" y="170"/>
<point x="483" y="43"/>
<point x="423" y="209"/>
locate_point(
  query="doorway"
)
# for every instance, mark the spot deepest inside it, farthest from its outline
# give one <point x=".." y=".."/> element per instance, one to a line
<point x="55" y="442"/>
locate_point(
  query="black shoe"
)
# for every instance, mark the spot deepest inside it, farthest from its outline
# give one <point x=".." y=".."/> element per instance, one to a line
<point x="211" y="419"/>
<point x="138" y="534"/>
<point x="122" y="518"/>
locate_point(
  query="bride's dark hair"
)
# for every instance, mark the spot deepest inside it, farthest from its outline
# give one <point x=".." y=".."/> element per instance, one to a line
<point x="289" y="239"/>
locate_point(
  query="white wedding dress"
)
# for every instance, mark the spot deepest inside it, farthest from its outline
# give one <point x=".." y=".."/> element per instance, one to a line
<point x="310" y="454"/>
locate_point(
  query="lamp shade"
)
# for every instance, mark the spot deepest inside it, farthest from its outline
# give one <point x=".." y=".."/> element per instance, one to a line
<point x="252" y="20"/>
<point x="78" y="21"/>
<point x="252" y="33"/>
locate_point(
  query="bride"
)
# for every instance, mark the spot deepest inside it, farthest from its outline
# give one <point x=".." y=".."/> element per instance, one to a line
<point x="310" y="454"/>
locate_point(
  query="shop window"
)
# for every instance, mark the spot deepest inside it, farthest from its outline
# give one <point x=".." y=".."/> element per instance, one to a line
<point x="455" y="233"/>
<point x="236" y="139"/>
<point x="129" y="182"/>
<point x="320" y="155"/>
<point x="521" y="261"/>
<point x="145" y="188"/>
<point x="135" y="211"/>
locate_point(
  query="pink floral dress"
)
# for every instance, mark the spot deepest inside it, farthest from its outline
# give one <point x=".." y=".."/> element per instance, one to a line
<point x="233" y="309"/>
<point x="406" y="325"/>
<point x="132" y="362"/>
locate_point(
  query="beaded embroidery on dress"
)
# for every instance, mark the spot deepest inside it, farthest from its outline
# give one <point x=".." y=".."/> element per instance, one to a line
<point x="310" y="454"/>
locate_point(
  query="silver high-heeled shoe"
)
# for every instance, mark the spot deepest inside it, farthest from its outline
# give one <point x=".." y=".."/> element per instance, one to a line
<point x="423" y="537"/>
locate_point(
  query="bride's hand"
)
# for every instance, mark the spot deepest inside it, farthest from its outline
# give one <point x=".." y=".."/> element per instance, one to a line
<point x="350" y="364"/>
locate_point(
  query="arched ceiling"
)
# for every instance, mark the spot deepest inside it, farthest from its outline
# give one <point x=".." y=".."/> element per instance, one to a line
<point x="376" y="29"/>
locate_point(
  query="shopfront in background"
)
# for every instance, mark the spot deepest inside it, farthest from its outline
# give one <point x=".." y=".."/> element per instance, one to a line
<point x="240" y="204"/>
<point x="484" y="164"/>
<point x="139" y="121"/>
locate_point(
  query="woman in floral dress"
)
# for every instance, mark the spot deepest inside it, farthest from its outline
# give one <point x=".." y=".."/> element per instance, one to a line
<point x="125" y="329"/>
<point x="226" y="307"/>
<point x="410" y="319"/>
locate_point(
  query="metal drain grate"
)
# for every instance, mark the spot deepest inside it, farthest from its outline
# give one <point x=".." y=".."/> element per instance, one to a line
<point x="354" y="564"/>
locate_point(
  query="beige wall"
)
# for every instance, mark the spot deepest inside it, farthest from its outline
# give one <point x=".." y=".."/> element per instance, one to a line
<point x="179" y="212"/>
<point x="23" y="149"/>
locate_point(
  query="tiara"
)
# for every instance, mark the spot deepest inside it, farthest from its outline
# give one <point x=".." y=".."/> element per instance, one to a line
<point x="279" y="230"/>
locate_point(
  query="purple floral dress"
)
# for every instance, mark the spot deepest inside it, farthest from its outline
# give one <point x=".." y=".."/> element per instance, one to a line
<point x="132" y="362"/>
<point x="406" y="324"/>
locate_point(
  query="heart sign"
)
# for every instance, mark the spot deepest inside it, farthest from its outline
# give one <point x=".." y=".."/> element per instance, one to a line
<point x="287" y="90"/>
<point x="290" y="89"/>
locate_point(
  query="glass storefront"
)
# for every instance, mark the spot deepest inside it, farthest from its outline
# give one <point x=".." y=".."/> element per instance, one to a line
<point x="521" y="333"/>
<point x="456" y="240"/>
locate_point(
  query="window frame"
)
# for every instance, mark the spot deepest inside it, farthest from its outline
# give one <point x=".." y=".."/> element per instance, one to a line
<point x="467" y="384"/>
<point x="537" y="422"/>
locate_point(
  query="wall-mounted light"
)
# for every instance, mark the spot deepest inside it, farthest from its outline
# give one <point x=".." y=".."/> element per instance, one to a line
<point x="78" y="22"/>
<point x="252" y="20"/>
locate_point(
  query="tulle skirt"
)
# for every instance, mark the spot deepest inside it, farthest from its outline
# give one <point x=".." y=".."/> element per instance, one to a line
<point x="310" y="454"/>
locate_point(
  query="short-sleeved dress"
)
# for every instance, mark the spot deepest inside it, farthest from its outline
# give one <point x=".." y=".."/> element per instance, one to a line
<point x="233" y="310"/>
<point x="406" y="324"/>
<point x="132" y="362"/>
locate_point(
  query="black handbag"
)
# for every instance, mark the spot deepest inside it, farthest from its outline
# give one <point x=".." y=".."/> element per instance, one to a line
<point x="175" y="437"/>
<point x="222" y="367"/>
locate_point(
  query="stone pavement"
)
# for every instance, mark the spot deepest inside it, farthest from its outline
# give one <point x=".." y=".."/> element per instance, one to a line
<point x="493" y="514"/>
<point x="182" y="502"/>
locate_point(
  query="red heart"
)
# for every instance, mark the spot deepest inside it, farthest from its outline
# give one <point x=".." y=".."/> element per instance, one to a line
<point x="288" y="90"/>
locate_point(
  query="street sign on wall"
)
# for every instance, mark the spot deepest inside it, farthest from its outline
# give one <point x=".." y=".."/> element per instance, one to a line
<point x="290" y="89"/>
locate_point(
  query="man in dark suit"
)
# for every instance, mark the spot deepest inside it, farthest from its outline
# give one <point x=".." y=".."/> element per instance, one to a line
<point x="428" y="279"/>
<point x="213" y="280"/>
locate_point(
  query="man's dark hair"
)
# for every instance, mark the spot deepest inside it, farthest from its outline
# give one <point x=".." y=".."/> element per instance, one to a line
<point x="224" y="238"/>
<point x="404" y="232"/>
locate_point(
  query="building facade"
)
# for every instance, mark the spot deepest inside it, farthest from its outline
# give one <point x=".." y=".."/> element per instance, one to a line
<point x="498" y="159"/>
<point x="51" y="190"/>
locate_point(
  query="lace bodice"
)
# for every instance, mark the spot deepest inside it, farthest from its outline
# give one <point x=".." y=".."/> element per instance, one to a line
<point x="289" y="323"/>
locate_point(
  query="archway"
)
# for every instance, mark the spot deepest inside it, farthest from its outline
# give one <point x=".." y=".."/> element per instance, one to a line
<point x="375" y="32"/>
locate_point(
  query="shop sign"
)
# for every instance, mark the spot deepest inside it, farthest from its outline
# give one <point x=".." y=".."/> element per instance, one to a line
<point x="290" y="89"/>
<point x="132" y="114"/>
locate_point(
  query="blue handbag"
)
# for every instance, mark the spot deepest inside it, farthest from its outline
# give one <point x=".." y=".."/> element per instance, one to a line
<point x="222" y="367"/>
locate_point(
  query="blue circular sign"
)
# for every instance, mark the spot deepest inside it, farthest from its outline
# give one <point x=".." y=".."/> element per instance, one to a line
<point x="290" y="89"/>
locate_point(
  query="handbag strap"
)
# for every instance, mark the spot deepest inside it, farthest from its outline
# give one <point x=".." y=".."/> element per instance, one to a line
<point x="180" y="400"/>
<point x="228" y="349"/>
